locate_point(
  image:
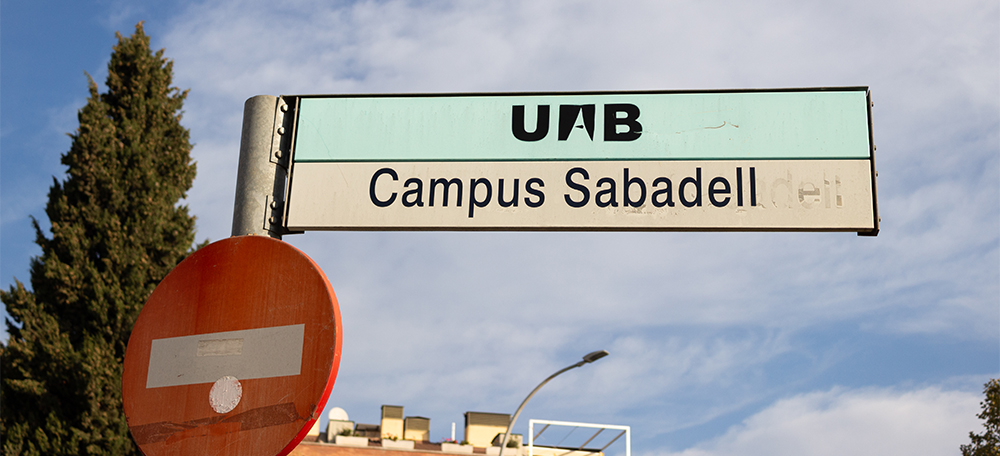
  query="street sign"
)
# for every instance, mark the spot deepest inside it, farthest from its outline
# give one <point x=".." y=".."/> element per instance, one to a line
<point x="235" y="352"/>
<point x="722" y="160"/>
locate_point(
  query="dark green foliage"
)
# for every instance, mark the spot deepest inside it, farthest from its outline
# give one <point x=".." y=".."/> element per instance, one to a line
<point x="117" y="230"/>
<point x="987" y="443"/>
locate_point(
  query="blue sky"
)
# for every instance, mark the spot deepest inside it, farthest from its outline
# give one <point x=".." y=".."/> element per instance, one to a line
<point x="754" y="343"/>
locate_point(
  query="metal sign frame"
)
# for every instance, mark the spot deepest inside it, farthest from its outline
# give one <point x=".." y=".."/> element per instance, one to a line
<point x="626" y="430"/>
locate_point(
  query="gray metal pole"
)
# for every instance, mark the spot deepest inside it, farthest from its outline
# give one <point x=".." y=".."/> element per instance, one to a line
<point x="260" y="182"/>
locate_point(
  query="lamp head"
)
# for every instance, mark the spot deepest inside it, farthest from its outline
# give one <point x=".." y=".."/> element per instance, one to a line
<point x="594" y="356"/>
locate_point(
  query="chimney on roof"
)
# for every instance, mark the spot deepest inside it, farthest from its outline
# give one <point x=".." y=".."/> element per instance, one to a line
<point x="482" y="427"/>
<point x="417" y="428"/>
<point x="392" y="421"/>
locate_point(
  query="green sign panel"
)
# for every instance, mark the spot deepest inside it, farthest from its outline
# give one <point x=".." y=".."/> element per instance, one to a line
<point x="761" y="125"/>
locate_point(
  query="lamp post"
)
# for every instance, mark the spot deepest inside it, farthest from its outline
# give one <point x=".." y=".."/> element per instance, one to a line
<point x="587" y="359"/>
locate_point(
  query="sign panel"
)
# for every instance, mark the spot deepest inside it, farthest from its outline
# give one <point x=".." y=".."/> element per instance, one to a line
<point x="727" y="160"/>
<point x="234" y="353"/>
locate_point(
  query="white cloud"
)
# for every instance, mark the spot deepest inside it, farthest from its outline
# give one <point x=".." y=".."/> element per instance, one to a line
<point x="934" y="225"/>
<point x="927" y="421"/>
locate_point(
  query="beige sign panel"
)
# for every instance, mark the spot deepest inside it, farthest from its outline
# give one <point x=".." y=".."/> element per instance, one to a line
<point x="743" y="195"/>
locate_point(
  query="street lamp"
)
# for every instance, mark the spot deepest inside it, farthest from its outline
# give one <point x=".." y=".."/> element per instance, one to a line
<point x="587" y="359"/>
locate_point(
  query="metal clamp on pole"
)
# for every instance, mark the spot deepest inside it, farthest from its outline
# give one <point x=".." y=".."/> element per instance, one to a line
<point x="263" y="168"/>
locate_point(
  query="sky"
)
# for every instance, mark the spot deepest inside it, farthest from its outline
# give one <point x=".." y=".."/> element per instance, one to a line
<point x="721" y="343"/>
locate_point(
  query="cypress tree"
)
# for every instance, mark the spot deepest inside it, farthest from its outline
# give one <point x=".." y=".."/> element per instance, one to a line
<point x="116" y="230"/>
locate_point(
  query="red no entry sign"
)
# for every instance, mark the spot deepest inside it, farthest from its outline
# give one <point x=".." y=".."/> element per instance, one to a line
<point x="235" y="353"/>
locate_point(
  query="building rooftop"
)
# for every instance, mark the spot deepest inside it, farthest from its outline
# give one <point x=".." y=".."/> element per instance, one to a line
<point x="409" y="436"/>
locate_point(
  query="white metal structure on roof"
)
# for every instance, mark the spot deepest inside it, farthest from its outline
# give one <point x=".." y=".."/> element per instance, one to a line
<point x="625" y="430"/>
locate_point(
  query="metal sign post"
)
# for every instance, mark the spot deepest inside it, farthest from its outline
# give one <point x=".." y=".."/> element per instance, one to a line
<point x="263" y="167"/>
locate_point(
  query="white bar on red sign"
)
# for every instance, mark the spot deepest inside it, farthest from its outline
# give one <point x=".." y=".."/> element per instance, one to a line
<point x="246" y="354"/>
